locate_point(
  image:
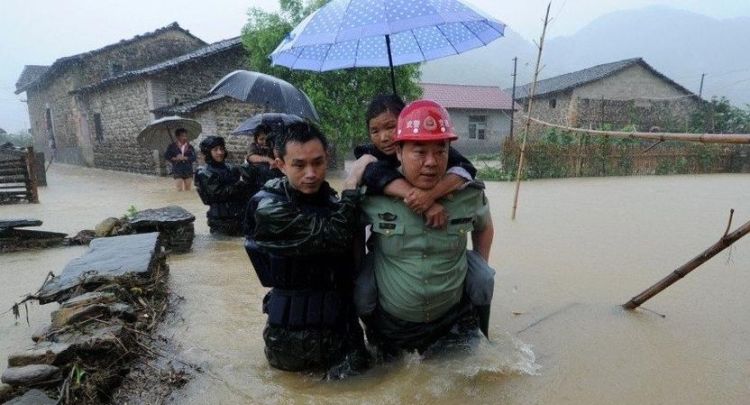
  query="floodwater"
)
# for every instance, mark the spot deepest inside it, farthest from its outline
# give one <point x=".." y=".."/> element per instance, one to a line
<point x="578" y="249"/>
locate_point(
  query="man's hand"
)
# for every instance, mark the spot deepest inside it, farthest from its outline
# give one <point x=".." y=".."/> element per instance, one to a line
<point x="419" y="200"/>
<point x="358" y="169"/>
<point x="436" y="216"/>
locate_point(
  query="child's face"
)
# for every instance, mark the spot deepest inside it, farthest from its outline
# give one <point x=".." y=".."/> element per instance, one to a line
<point x="262" y="139"/>
<point x="382" y="131"/>
<point x="218" y="153"/>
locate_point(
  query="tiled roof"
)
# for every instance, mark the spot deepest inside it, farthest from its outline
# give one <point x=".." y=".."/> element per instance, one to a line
<point x="469" y="97"/>
<point x="206" y="51"/>
<point x="188" y="106"/>
<point x="30" y="74"/>
<point x="572" y="80"/>
<point x="62" y="63"/>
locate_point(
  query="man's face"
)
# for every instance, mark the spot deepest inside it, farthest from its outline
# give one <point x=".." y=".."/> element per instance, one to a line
<point x="382" y="129"/>
<point x="305" y="164"/>
<point x="423" y="163"/>
<point x="182" y="137"/>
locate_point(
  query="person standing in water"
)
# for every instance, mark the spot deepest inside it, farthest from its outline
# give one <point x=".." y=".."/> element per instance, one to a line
<point x="299" y="240"/>
<point x="421" y="271"/>
<point x="226" y="189"/>
<point x="181" y="155"/>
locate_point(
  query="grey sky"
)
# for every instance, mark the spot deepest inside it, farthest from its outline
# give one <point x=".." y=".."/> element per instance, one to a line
<point x="40" y="31"/>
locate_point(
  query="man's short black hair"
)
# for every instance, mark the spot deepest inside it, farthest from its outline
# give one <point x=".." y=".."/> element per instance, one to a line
<point x="298" y="132"/>
<point x="180" y="131"/>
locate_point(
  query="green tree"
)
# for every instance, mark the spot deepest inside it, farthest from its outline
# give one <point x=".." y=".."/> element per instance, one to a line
<point x="18" y="138"/>
<point x="341" y="97"/>
<point x="720" y="116"/>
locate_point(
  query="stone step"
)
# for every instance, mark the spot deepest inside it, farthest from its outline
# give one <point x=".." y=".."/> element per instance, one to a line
<point x="32" y="375"/>
<point x="50" y="353"/>
<point x="32" y="397"/>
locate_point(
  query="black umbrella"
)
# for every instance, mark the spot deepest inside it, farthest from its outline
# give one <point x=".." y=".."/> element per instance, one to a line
<point x="275" y="122"/>
<point x="268" y="91"/>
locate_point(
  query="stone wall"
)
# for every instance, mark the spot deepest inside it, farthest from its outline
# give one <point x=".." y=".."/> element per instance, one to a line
<point x="137" y="54"/>
<point x="645" y="115"/>
<point x="63" y="112"/>
<point x="192" y="80"/>
<point x="72" y="122"/>
<point x="220" y="119"/>
<point x="124" y="113"/>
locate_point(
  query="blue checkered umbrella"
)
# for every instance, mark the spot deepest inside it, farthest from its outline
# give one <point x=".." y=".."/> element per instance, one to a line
<point x="371" y="33"/>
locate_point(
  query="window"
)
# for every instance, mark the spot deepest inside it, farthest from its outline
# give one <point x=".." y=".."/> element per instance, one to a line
<point x="477" y="126"/>
<point x="98" y="127"/>
<point x="115" y="69"/>
<point x="552" y="103"/>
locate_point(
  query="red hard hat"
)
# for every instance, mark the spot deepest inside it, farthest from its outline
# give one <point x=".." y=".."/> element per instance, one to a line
<point x="424" y="120"/>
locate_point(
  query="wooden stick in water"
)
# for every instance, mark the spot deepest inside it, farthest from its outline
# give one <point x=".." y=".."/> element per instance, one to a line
<point x="727" y="240"/>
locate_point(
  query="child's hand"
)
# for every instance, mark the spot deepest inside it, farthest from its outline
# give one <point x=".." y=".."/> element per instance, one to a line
<point x="418" y="200"/>
<point x="436" y="216"/>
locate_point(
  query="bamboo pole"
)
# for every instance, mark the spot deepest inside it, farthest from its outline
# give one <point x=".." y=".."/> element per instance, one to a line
<point x="726" y="240"/>
<point x="655" y="136"/>
<point x="528" y="113"/>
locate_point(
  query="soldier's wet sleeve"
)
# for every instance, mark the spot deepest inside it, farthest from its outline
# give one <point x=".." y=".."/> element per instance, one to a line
<point x="284" y="229"/>
<point x="455" y="158"/>
<point x="212" y="190"/>
<point x="378" y="175"/>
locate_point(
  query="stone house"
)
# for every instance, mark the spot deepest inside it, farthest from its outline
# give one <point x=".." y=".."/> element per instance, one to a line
<point x="91" y="106"/>
<point x="480" y="115"/>
<point x="615" y="95"/>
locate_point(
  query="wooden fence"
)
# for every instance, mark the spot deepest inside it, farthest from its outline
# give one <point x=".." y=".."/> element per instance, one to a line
<point x="17" y="175"/>
<point x="546" y="160"/>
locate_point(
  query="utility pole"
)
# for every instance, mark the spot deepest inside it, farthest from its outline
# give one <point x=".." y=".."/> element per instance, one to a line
<point x="513" y="97"/>
<point x="700" y="92"/>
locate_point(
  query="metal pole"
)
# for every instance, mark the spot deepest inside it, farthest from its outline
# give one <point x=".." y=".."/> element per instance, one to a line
<point x="700" y="92"/>
<point x="513" y="97"/>
<point x="390" y="63"/>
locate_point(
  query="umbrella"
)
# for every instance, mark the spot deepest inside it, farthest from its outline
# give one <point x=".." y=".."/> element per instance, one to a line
<point x="268" y="91"/>
<point x="160" y="133"/>
<point x="277" y="122"/>
<point x="367" y="33"/>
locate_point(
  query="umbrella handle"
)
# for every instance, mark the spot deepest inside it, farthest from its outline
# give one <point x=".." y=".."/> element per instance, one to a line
<point x="390" y="63"/>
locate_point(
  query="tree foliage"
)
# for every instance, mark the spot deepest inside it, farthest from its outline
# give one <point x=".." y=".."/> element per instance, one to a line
<point x="720" y="117"/>
<point x="341" y="97"/>
<point x="18" y="138"/>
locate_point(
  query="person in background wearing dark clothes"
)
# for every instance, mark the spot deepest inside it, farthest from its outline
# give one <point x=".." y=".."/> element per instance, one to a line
<point x="299" y="240"/>
<point x="261" y="156"/>
<point x="182" y="156"/>
<point x="226" y="189"/>
<point x="261" y="151"/>
<point x="383" y="176"/>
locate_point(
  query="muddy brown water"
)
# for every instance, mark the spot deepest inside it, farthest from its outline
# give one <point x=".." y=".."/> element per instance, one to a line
<point x="578" y="249"/>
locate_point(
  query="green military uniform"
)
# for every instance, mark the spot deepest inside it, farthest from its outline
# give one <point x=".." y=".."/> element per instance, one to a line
<point x="419" y="270"/>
